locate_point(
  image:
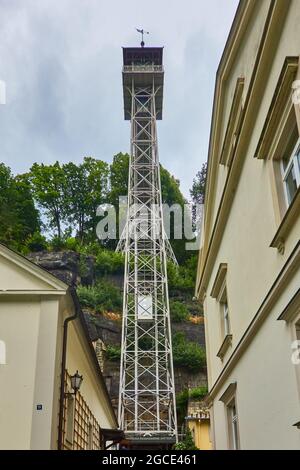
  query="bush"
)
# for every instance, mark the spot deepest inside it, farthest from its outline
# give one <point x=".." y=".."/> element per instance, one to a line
<point x="109" y="262"/>
<point x="186" y="353"/>
<point x="179" y="312"/>
<point x="36" y="242"/>
<point x="72" y="244"/>
<point x="102" y="297"/>
<point x="181" y="278"/>
<point x="187" y="444"/>
<point x="198" y="393"/>
<point x="113" y="353"/>
<point x="57" y="244"/>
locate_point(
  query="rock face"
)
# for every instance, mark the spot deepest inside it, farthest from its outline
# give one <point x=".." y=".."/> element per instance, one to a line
<point x="66" y="266"/>
<point x="109" y="332"/>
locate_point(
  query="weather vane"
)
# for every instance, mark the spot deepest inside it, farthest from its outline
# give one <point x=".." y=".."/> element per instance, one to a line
<point x="142" y="33"/>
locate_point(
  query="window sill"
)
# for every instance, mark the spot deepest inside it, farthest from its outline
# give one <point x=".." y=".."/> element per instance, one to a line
<point x="224" y="347"/>
<point x="292" y="309"/>
<point x="286" y="223"/>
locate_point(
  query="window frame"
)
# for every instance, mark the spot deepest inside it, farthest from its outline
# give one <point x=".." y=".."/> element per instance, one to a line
<point x="293" y="162"/>
<point x="226" y="319"/>
<point x="233" y="425"/>
<point x="225" y="313"/>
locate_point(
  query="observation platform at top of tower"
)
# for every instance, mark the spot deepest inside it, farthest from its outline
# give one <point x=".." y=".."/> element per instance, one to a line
<point x="143" y="67"/>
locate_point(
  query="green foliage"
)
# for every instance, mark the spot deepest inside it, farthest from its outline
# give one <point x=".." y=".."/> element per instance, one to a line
<point x="72" y="243"/>
<point x="70" y="194"/>
<point x="86" y="189"/>
<point x="113" y="353"/>
<point x="186" y="353"/>
<point x="197" y="393"/>
<point x="109" y="262"/>
<point x="188" y="442"/>
<point x="48" y="183"/>
<point x="102" y="297"/>
<point x="18" y="217"/>
<point x="198" y="191"/>
<point x="36" y="242"/>
<point x="171" y="193"/>
<point x="179" y="312"/>
<point x="182" y="399"/>
<point x="182" y="278"/>
<point x="57" y="244"/>
<point x="118" y="178"/>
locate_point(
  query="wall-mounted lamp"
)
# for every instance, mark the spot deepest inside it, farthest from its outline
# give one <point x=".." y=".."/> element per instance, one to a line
<point x="76" y="381"/>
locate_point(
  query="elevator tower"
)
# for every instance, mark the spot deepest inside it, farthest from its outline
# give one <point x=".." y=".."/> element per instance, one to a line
<point x="147" y="410"/>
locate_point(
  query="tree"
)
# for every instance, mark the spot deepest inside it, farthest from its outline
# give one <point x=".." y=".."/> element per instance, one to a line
<point x="118" y="178"/>
<point x="18" y="216"/>
<point x="119" y="170"/>
<point x="86" y="189"/>
<point x="198" y="191"/>
<point x="48" y="185"/>
<point x="170" y="189"/>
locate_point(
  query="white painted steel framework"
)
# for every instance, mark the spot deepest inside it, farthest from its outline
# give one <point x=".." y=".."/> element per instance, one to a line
<point x="147" y="397"/>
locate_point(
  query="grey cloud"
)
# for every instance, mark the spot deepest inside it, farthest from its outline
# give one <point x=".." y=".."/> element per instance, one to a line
<point x="61" y="60"/>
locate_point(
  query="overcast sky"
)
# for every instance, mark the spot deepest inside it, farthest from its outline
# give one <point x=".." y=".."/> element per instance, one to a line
<point x="61" y="61"/>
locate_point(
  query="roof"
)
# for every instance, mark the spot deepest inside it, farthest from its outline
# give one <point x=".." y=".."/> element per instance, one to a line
<point x="40" y="273"/>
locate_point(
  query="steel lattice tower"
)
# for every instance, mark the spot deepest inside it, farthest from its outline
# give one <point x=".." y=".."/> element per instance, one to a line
<point x="147" y="410"/>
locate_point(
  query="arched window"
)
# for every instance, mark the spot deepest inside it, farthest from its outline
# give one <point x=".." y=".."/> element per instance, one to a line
<point x="2" y="352"/>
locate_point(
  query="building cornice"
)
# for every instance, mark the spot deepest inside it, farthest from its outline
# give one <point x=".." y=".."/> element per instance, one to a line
<point x="275" y="19"/>
<point x="232" y="45"/>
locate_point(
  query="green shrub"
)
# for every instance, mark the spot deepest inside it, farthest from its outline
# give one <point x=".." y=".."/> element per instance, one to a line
<point x="72" y="244"/>
<point x="181" y="278"/>
<point x="113" y="353"/>
<point x="57" y="244"/>
<point x="36" y="242"/>
<point x="186" y="353"/>
<point x="109" y="262"/>
<point x="179" y="312"/>
<point x="198" y="393"/>
<point x="102" y="297"/>
<point x="187" y="444"/>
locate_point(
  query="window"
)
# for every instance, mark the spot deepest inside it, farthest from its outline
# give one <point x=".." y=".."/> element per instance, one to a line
<point x="219" y="292"/>
<point x="290" y="167"/>
<point x="231" y="415"/>
<point x="225" y="322"/>
<point x="226" y="318"/>
<point x="233" y="427"/>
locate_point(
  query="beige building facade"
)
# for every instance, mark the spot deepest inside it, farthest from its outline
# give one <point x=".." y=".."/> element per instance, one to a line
<point x="249" y="262"/>
<point x="37" y="346"/>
